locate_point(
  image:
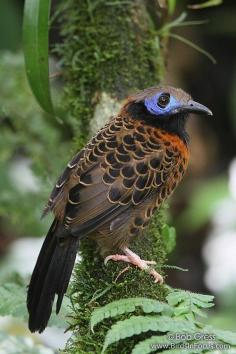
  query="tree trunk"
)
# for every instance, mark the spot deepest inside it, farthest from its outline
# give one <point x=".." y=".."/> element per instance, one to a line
<point x="110" y="49"/>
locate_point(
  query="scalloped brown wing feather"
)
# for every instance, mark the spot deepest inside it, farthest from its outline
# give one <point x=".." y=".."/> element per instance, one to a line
<point x="124" y="165"/>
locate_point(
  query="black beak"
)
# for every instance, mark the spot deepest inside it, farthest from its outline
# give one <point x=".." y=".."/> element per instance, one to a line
<point x="193" y="107"/>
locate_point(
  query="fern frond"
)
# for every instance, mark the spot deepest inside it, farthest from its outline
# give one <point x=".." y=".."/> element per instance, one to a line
<point x="177" y="295"/>
<point x="170" y="266"/>
<point x="129" y="305"/>
<point x="12" y="295"/>
<point x="224" y="336"/>
<point x="185" y="351"/>
<point x="187" y="303"/>
<point x="148" y="345"/>
<point x="202" y="297"/>
<point x="155" y="343"/>
<point x="140" y="324"/>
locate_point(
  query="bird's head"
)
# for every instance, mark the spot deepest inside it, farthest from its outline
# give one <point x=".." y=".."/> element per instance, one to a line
<point x="164" y="106"/>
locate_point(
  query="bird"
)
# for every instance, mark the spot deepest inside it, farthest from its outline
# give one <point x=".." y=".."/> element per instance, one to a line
<point x="111" y="188"/>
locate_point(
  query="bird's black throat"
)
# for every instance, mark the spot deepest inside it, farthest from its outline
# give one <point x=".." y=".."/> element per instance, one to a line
<point x="174" y="124"/>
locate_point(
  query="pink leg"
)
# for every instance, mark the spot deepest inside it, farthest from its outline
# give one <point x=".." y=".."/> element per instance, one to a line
<point x="134" y="259"/>
<point x="116" y="257"/>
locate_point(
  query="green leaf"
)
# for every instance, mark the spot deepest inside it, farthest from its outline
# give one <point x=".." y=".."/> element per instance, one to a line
<point x="35" y="42"/>
<point x="193" y="45"/>
<point x="140" y="324"/>
<point x="179" y="22"/>
<point x="148" y="345"/>
<point x="176" y="296"/>
<point x="171" y="6"/>
<point x="181" y="351"/>
<point x="201" y="297"/>
<point x="168" y="26"/>
<point x="169" y="236"/>
<point x="129" y="305"/>
<point x="12" y="300"/>
<point x="162" y="342"/>
<point x="13" y="303"/>
<point x="225" y="336"/>
<point x="187" y="303"/>
<point x="205" y="4"/>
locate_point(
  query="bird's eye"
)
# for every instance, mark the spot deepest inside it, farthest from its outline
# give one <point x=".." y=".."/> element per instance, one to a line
<point x="163" y="100"/>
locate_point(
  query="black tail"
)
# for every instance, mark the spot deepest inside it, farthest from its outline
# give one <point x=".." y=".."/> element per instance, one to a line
<point x="51" y="276"/>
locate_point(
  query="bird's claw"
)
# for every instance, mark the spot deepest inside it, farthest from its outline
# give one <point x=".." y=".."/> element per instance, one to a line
<point x="116" y="257"/>
<point x="134" y="259"/>
<point x="157" y="277"/>
<point x="150" y="262"/>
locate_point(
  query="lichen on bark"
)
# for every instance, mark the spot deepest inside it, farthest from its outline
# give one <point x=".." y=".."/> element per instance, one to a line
<point x="109" y="49"/>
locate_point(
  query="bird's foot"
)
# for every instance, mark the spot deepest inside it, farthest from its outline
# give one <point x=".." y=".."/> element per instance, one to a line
<point x="133" y="258"/>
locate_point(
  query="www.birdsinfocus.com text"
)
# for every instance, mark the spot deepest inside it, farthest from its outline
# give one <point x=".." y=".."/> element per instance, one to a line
<point x="191" y="341"/>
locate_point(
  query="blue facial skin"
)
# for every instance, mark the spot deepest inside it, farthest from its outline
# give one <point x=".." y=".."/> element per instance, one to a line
<point x="152" y="106"/>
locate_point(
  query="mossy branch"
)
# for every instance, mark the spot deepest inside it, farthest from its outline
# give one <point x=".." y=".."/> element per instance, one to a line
<point x="109" y="50"/>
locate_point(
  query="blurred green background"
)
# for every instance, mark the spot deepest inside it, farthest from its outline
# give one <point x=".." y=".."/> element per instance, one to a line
<point x="34" y="147"/>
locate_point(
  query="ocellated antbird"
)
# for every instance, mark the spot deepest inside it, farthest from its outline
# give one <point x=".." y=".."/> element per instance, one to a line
<point x="110" y="190"/>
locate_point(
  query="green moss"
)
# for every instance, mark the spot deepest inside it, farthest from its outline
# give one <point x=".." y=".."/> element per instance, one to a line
<point x="112" y="47"/>
<point x="95" y="284"/>
<point x="106" y="47"/>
